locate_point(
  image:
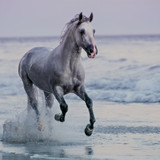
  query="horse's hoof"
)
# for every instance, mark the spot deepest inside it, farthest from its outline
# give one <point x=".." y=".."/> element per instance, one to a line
<point x="59" y="117"/>
<point x="88" y="131"/>
<point x="40" y="126"/>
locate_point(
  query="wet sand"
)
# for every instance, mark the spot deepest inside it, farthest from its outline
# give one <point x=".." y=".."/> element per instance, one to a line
<point x="122" y="131"/>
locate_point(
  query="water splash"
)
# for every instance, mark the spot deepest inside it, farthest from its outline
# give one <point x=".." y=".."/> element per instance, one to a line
<point x="23" y="128"/>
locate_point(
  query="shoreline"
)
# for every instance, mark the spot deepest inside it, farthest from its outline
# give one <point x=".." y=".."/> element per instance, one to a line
<point x="122" y="131"/>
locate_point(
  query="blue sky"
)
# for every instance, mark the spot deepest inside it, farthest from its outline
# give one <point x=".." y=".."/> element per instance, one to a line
<point x="20" y="18"/>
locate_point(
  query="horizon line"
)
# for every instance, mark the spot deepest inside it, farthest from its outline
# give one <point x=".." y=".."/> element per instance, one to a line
<point x="99" y="35"/>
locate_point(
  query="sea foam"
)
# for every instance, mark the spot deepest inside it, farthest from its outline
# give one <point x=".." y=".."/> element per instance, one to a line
<point x="23" y="128"/>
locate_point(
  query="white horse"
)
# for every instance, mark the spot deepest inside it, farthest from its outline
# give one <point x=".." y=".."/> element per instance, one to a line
<point x="59" y="71"/>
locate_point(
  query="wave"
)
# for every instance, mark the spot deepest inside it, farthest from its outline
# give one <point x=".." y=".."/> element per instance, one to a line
<point x="127" y="83"/>
<point x="155" y="67"/>
<point x="125" y="90"/>
<point x="135" y="89"/>
<point x="122" y="90"/>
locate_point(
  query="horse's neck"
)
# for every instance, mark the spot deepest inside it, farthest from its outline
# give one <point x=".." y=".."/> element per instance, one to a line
<point x="71" y="52"/>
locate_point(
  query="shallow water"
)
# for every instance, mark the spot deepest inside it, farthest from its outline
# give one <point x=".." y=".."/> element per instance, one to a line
<point x="121" y="132"/>
<point x="123" y="81"/>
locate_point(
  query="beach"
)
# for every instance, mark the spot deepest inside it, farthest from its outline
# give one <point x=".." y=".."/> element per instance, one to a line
<point x="123" y="82"/>
<point x="121" y="132"/>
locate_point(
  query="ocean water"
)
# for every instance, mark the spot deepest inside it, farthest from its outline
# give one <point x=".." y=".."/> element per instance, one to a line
<point x="125" y="70"/>
<point x="124" y="83"/>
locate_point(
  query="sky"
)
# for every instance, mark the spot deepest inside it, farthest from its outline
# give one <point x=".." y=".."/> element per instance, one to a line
<point x="24" y="18"/>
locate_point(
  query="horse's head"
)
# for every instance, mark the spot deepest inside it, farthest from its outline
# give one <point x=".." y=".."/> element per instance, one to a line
<point x="85" y="35"/>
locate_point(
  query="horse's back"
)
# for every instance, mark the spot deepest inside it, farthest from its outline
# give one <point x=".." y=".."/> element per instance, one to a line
<point x="34" y="57"/>
<point x="38" y="54"/>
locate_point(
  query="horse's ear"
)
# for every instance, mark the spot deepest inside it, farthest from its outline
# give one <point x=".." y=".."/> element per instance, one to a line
<point x="80" y="16"/>
<point x="91" y="17"/>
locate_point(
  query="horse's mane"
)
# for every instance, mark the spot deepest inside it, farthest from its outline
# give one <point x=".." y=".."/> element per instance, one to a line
<point x="70" y="24"/>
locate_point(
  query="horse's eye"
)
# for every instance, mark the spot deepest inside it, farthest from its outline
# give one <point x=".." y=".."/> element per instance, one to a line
<point x="82" y="31"/>
<point x="94" y="31"/>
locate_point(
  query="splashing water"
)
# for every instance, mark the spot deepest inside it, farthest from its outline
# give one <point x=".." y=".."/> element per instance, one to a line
<point x="24" y="128"/>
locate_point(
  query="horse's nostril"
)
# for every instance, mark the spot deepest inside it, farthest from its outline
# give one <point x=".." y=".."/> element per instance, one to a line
<point x="91" y="50"/>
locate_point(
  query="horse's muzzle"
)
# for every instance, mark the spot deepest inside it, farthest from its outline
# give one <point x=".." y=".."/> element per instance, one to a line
<point x="92" y="51"/>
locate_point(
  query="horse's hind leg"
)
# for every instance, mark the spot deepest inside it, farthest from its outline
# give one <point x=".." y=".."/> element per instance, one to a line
<point x="58" y="93"/>
<point x="31" y="95"/>
<point x="49" y="99"/>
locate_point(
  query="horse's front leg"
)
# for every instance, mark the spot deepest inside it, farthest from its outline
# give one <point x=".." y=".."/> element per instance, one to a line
<point x="58" y="93"/>
<point x="83" y="95"/>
